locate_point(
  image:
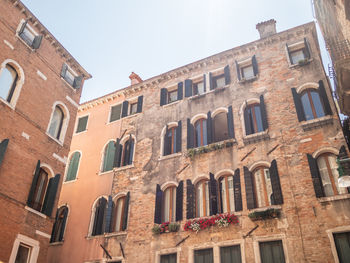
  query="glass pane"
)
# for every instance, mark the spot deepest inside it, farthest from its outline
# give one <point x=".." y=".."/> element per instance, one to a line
<point x="23" y="254"/>
<point x="166" y="205"/>
<point x="173" y="214"/>
<point x="203" y="256"/>
<point x="259" y="188"/>
<point x="168" y="258"/>
<point x="220" y="82"/>
<point x="133" y="108"/>
<point x="119" y="214"/>
<point x="174" y="140"/>
<point x="326" y="182"/>
<point x="297" y="56"/>
<point x="334" y="167"/>
<point x="205" y="139"/>
<point x="69" y="77"/>
<point x="230" y="254"/>
<point x="56" y="123"/>
<point x="207" y="208"/>
<point x="198" y="133"/>
<point x="200" y="87"/>
<point x="27" y="36"/>
<point x="172" y="96"/>
<point x="115" y="113"/>
<point x="307" y="107"/>
<point x="231" y="193"/>
<point x="7" y="77"/>
<point x="271" y="252"/>
<point x="223" y="196"/>
<point x="268" y="186"/>
<point x="248" y="72"/>
<point x="258" y="118"/>
<point x="317" y="104"/>
<point x="342" y="243"/>
<point x="108" y="159"/>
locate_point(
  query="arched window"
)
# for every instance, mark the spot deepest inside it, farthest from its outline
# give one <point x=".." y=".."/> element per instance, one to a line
<point x="128" y="152"/>
<point x="40" y="190"/>
<point x="202" y="198"/>
<point x="220" y="129"/>
<point x="327" y="167"/>
<point x="99" y="213"/>
<point x="59" y="225"/>
<point x="108" y="157"/>
<point x="172" y="139"/>
<point x="169" y="204"/>
<point x="8" y="82"/>
<point x="312" y="105"/>
<point x="56" y="124"/>
<point x="227" y="193"/>
<point x="262" y="186"/>
<point x="73" y="167"/>
<point x="253" y="119"/>
<point x="200" y="132"/>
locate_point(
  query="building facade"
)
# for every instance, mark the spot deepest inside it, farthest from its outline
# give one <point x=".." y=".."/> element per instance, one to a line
<point x="40" y="88"/>
<point x="231" y="158"/>
<point x="334" y="20"/>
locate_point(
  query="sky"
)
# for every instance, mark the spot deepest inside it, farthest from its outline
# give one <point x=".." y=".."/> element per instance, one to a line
<point x="112" y="38"/>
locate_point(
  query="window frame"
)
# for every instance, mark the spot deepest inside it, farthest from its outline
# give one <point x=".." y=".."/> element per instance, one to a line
<point x="23" y="25"/>
<point x="172" y="209"/>
<point x="336" y="230"/>
<point x="43" y="191"/>
<point x="172" y="91"/>
<point x="205" y="184"/>
<point x="110" y="112"/>
<point x="201" y="131"/>
<point x="29" y="242"/>
<point x="132" y="105"/>
<point x="254" y="117"/>
<point x="227" y="194"/>
<point x="167" y="251"/>
<point x="264" y="186"/>
<point x="245" y="63"/>
<point x="303" y="46"/>
<point x="65" y="122"/>
<point x="259" y="239"/>
<point x="115" y="213"/>
<point x="103" y="158"/>
<point x="311" y="101"/>
<point x="77" y="124"/>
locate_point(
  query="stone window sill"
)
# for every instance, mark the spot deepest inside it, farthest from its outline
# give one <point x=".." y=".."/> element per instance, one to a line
<point x="93" y="237"/>
<point x="53" y="138"/>
<point x="217" y="90"/>
<point x="242" y="81"/>
<point x="71" y="181"/>
<point x="317" y="123"/>
<point x="114" y="234"/>
<point x="170" y="156"/>
<point x="35" y="212"/>
<point x="308" y="61"/>
<point x="106" y="172"/>
<point x="333" y="198"/>
<point x="256" y="137"/>
<point x="131" y="116"/>
<point x="68" y="85"/>
<point x="210" y="147"/>
<point x="261" y="209"/>
<point x="12" y="107"/>
<point x="123" y="168"/>
<point x="82" y="132"/>
<point x="171" y="104"/>
<point x="56" y="243"/>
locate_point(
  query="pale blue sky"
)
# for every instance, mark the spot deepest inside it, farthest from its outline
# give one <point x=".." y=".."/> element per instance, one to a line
<point x="112" y="38"/>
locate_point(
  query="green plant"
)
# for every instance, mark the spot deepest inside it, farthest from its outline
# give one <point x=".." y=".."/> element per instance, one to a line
<point x="302" y="62"/>
<point x="266" y="214"/>
<point x="174" y="227"/>
<point x="209" y="148"/>
<point x="156" y="229"/>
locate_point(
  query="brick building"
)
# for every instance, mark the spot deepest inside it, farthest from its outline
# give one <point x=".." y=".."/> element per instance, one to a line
<point x="40" y="88"/>
<point x="240" y="147"/>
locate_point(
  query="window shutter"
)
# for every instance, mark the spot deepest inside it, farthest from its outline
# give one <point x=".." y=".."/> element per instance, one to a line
<point x="51" y="195"/>
<point x="100" y="216"/>
<point x="125" y="108"/>
<point x="126" y="211"/>
<point x="237" y="190"/>
<point x="213" y="200"/>
<point x="323" y="95"/>
<point x="73" y="167"/>
<point x="255" y="66"/>
<point x="204" y="83"/>
<point x="34" y="182"/>
<point x="179" y="136"/>
<point x="110" y="207"/>
<point x="188" y="88"/>
<point x="64" y="221"/>
<point x="180" y="90"/>
<point x="23" y="26"/>
<point x="3" y="147"/>
<point x="247" y="122"/>
<point x="54" y="231"/>
<point x="307" y="50"/>
<point x="82" y="123"/>
<point x="179" y="200"/>
<point x="163" y="96"/>
<point x="190" y="135"/>
<point x="190" y="208"/>
<point x="276" y="185"/>
<point x="315" y="175"/>
<point x="209" y="128"/>
<point x="298" y="105"/>
<point x="249" y="188"/>
<point x="220" y="208"/>
<point x="289" y="56"/>
<point x="238" y="71"/>
<point x="127" y="152"/>
<point x="118" y="153"/>
<point x="167" y="142"/>
<point x="131" y="150"/>
<point x="78" y="82"/>
<point x="139" y="103"/>
<point x="37" y="41"/>
<point x="263" y="113"/>
<point x="64" y="70"/>
<point x="227" y="75"/>
<point x="211" y="81"/>
<point x="158" y="205"/>
<point x="230" y="126"/>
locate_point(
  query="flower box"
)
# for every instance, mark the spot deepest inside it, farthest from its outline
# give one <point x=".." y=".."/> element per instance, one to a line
<point x="269" y="213"/>
<point x="222" y="220"/>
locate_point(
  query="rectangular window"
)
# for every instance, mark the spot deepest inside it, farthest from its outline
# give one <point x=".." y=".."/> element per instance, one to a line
<point x="198" y="88"/>
<point x="271" y="252"/>
<point x="23" y="253"/>
<point x="299" y="53"/>
<point x="342" y="243"/>
<point x="82" y="124"/>
<point x="230" y="254"/>
<point x="172" y="96"/>
<point x="29" y="36"/>
<point x="133" y="108"/>
<point x="171" y="258"/>
<point x="115" y="113"/>
<point x="247" y="69"/>
<point x="203" y="256"/>
<point x="219" y="81"/>
<point x="248" y="72"/>
<point x="297" y="56"/>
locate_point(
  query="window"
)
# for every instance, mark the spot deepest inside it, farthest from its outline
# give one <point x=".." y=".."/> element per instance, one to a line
<point x="231" y="254"/>
<point x="255" y="118"/>
<point x="219" y="78"/>
<point x="342" y="244"/>
<point x="119" y="214"/>
<point x="196" y="86"/>
<point x="172" y="139"/>
<point x="99" y="217"/>
<point x="115" y="113"/>
<point x="8" y="82"/>
<point x="202" y="198"/>
<point x="23" y="253"/>
<point x="220" y="128"/>
<point x="271" y="252"/>
<point x="132" y="107"/>
<point x="108" y="156"/>
<point x="312" y="104"/>
<point x="171" y="258"/>
<point x="172" y="94"/>
<point x="71" y="77"/>
<point x="43" y="191"/>
<point x="298" y="53"/>
<point x="29" y="36"/>
<point x="124" y="152"/>
<point x="227" y="195"/>
<point x="82" y="124"/>
<point x="263" y="188"/>
<point x="169" y="204"/>
<point x="200" y="133"/>
<point x="247" y="69"/>
<point x="204" y="256"/>
<point x="59" y="225"/>
<point x="73" y="167"/>
<point x="56" y="124"/>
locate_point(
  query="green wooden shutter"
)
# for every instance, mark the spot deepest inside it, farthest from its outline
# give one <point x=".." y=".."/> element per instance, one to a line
<point x="163" y="96"/>
<point x="73" y="167"/>
<point x="108" y="220"/>
<point x="33" y="186"/>
<point x="82" y="123"/>
<point x="213" y="201"/>
<point x="126" y="211"/>
<point x="78" y="81"/>
<point x="50" y="196"/>
<point x="180" y="90"/>
<point x="118" y="153"/>
<point x="115" y="113"/>
<point x="237" y="190"/>
<point x="37" y="41"/>
<point x="125" y="108"/>
<point x="275" y="183"/>
<point x="203" y="256"/>
<point x="3" y="147"/>
<point x="139" y="104"/>
<point x="324" y="97"/>
<point x="271" y="252"/>
<point x="178" y="137"/>
<point x="108" y="159"/>
<point x="230" y="124"/>
<point x="179" y="200"/>
<point x="249" y="188"/>
<point x="230" y="254"/>
<point x="263" y="113"/>
<point x="315" y="175"/>
<point x="158" y="205"/>
<point x="255" y="65"/>
<point x="238" y="71"/>
<point x="64" y="70"/>
<point x="298" y="105"/>
<point x="188" y="88"/>
<point x="227" y="75"/>
<point x="342" y="243"/>
<point x="190" y="200"/>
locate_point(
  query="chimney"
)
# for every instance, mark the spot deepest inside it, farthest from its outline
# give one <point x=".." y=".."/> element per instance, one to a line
<point x="266" y="28"/>
<point x="135" y="79"/>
